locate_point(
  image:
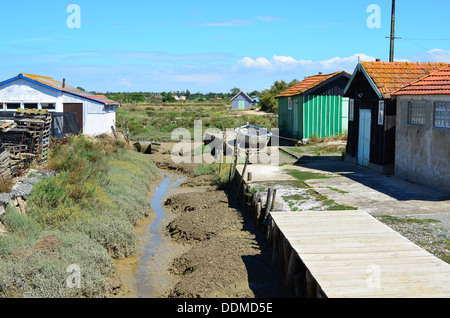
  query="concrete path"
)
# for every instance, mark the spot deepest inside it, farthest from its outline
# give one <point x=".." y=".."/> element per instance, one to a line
<point x="377" y="194"/>
<point x="354" y="185"/>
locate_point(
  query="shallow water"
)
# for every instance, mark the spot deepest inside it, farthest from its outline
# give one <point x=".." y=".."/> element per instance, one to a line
<point x="151" y="276"/>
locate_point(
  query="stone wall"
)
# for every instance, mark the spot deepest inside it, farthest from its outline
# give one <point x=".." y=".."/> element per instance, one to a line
<point x="422" y="151"/>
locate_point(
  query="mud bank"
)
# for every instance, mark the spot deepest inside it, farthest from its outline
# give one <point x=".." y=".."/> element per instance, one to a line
<point x="210" y="248"/>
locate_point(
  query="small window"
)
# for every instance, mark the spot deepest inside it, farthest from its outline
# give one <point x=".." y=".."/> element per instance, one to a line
<point x="12" y="106"/>
<point x="351" y="109"/>
<point x="48" y="106"/>
<point x="290" y="103"/>
<point x="416" y="113"/>
<point x="30" y="106"/>
<point x="442" y="114"/>
<point x="381" y="112"/>
<point x="109" y="109"/>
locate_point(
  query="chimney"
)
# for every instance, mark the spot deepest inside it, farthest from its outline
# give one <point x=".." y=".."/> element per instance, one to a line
<point x="64" y="83"/>
<point x="320" y="73"/>
<point x="377" y="60"/>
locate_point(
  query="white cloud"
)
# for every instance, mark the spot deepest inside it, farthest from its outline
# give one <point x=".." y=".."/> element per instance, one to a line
<point x="229" y="23"/>
<point x="258" y="63"/>
<point x="290" y="64"/>
<point x="267" y="18"/>
<point x="434" y="55"/>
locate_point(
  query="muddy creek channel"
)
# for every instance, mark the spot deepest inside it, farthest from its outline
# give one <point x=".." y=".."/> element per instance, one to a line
<point x="145" y="275"/>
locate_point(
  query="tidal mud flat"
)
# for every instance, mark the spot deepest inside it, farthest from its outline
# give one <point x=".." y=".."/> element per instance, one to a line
<point x="206" y="247"/>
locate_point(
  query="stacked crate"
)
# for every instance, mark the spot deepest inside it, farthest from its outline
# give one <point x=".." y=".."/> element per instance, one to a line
<point x="5" y="172"/>
<point x="35" y="123"/>
<point x="26" y="139"/>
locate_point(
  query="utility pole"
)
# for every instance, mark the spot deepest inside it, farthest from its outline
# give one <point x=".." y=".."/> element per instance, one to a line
<point x="391" y="53"/>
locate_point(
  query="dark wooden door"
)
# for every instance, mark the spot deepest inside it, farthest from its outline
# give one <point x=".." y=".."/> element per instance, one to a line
<point x="77" y="109"/>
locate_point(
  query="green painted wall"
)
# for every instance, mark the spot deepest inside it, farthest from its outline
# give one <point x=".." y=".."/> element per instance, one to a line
<point x="311" y="115"/>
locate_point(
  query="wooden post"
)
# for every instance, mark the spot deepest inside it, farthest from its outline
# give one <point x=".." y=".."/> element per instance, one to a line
<point x="275" y="244"/>
<point x="280" y="260"/>
<point x="268" y="203"/>
<point x="114" y="131"/>
<point x="258" y="212"/>
<point x="249" y="177"/>
<point x="286" y="254"/>
<point x="311" y="285"/>
<point x="233" y="166"/>
<point x="254" y="201"/>
<point x="273" y="199"/>
<point x="292" y="269"/>
<point x="242" y="177"/>
<point x="127" y="132"/>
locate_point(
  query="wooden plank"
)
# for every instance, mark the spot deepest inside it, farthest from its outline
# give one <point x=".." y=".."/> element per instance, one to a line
<point x="341" y="251"/>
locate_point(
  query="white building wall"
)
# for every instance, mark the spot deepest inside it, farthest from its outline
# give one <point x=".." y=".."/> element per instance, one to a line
<point x="23" y="91"/>
<point x="97" y="118"/>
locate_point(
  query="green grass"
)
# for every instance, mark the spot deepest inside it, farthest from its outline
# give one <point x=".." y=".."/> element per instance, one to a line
<point x="204" y="169"/>
<point x="337" y="190"/>
<point x="158" y="122"/>
<point x="89" y="208"/>
<point x="390" y="218"/>
<point x="306" y="175"/>
<point x="302" y="177"/>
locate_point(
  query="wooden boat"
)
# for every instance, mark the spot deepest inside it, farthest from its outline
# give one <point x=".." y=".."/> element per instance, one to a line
<point x="253" y="137"/>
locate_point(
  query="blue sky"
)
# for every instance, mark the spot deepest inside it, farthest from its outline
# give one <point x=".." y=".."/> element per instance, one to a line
<point x="210" y="46"/>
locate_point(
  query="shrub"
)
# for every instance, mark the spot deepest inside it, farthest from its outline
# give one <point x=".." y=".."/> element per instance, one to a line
<point x="99" y="193"/>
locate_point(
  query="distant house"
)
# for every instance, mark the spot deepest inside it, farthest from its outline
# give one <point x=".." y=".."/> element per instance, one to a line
<point x="422" y="149"/>
<point x="242" y="101"/>
<point x="95" y="113"/>
<point x="314" y="107"/>
<point x="255" y="100"/>
<point x="372" y="109"/>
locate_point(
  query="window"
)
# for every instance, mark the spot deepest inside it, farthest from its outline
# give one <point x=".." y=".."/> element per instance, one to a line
<point x="48" y="106"/>
<point x="30" y="106"/>
<point x="351" y="109"/>
<point x="442" y="114"/>
<point x="290" y="103"/>
<point x="381" y="112"/>
<point x="416" y="113"/>
<point x="12" y="106"/>
<point x="109" y="108"/>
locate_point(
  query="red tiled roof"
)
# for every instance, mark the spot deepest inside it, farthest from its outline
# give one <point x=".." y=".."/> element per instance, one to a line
<point x="389" y="77"/>
<point x="437" y="83"/>
<point x="306" y="84"/>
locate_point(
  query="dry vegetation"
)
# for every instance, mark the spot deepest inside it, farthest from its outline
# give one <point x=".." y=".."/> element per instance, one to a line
<point x="84" y="216"/>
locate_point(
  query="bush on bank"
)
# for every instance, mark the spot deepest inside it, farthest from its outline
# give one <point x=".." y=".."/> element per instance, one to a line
<point x="83" y="216"/>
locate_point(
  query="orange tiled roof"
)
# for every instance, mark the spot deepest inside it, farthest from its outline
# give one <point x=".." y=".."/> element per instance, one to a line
<point x="389" y="77"/>
<point x="306" y="84"/>
<point x="437" y="83"/>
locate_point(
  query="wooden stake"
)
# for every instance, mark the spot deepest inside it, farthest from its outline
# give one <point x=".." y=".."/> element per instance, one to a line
<point x="273" y="199"/>
<point x="242" y="177"/>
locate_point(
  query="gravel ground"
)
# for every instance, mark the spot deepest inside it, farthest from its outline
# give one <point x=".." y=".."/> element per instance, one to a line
<point x="431" y="232"/>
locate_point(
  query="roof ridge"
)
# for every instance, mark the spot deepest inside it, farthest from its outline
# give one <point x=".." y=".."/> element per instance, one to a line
<point x="323" y="77"/>
<point x="389" y="77"/>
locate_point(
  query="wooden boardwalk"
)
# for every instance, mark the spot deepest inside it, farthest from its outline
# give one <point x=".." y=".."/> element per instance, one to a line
<point x="350" y="254"/>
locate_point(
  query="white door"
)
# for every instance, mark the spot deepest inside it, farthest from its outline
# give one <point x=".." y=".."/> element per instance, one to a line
<point x="365" y="119"/>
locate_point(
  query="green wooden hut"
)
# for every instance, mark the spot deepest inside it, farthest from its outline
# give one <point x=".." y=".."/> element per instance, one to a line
<point x="314" y="107"/>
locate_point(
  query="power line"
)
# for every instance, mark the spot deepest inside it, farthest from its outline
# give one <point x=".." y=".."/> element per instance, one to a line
<point x="415" y="39"/>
